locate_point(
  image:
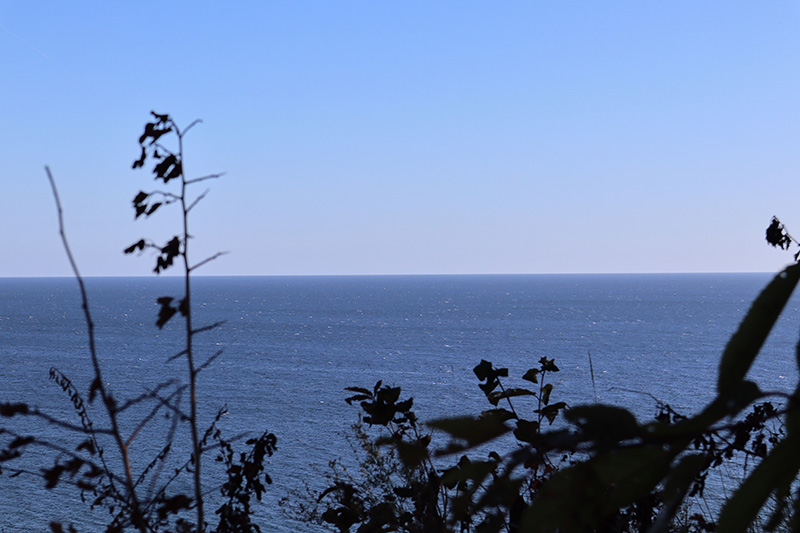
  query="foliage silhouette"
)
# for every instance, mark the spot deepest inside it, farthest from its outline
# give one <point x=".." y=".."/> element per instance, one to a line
<point x="598" y="469"/>
<point x="146" y="500"/>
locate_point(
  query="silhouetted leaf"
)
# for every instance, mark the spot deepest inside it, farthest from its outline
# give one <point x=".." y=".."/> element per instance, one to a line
<point x="473" y="431"/>
<point x="411" y="453"/>
<point x="475" y="471"/>
<point x="11" y="409"/>
<point x="140" y="198"/>
<point x="502" y="414"/>
<point x="550" y="412"/>
<point x="357" y="398"/>
<point x="360" y="390"/>
<point x="153" y="208"/>
<point x="600" y="487"/>
<point x="153" y="131"/>
<point x="776" y="235"/>
<point x="168" y="168"/>
<point x="169" y="252"/>
<point x="496" y="396"/>
<point x="384" y="406"/>
<point x="483" y="370"/>
<point x="138" y="244"/>
<point x="548" y="365"/>
<point x="532" y="375"/>
<point x="486" y="372"/>
<point x="166" y="311"/>
<point x="603" y="425"/>
<point x="527" y="431"/>
<point x="745" y="344"/>
<point x="545" y="394"/>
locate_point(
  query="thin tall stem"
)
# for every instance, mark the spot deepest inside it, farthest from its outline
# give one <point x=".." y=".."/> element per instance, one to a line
<point x="187" y="307"/>
<point x="98" y="383"/>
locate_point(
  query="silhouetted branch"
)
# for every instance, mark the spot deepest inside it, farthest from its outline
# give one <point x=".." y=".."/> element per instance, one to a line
<point x="182" y="352"/>
<point x="147" y="395"/>
<point x="108" y="402"/>
<point x="166" y="402"/>
<point x="190" y="126"/>
<point x="66" y="425"/>
<point x="196" y="200"/>
<point x="203" y="178"/>
<point x="209" y="327"/>
<point x="207" y="260"/>
<point x="209" y="361"/>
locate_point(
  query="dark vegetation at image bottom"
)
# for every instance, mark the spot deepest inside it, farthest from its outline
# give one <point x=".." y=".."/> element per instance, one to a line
<point x="528" y="463"/>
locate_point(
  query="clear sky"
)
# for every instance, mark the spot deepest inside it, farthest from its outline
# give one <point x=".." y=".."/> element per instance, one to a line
<point x="408" y="137"/>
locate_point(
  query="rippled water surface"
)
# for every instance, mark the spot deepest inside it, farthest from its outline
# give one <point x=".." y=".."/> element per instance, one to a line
<point x="291" y="344"/>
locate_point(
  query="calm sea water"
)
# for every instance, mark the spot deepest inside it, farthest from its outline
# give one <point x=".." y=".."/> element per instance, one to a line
<point x="291" y="345"/>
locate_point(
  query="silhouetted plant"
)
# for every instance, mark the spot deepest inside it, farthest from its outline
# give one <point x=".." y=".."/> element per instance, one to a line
<point x="146" y="500"/>
<point x="627" y="476"/>
<point x="598" y="470"/>
<point x="402" y="485"/>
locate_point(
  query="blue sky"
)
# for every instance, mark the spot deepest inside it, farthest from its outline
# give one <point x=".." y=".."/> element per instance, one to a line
<point x="408" y="137"/>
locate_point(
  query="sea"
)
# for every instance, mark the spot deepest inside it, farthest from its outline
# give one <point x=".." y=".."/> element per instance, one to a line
<point x="289" y="346"/>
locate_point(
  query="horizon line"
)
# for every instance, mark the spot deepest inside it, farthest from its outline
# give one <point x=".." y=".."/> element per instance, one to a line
<point x="146" y="276"/>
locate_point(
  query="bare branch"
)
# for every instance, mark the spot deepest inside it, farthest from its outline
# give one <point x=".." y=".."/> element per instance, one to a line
<point x="209" y="327"/>
<point x="203" y="178"/>
<point x="208" y="362"/>
<point x="183" y="416"/>
<point x="107" y="400"/>
<point x="66" y="425"/>
<point x="146" y="395"/>
<point x="182" y="352"/>
<point x="196" y="200"/>
<point x="190" y="126"/>
<point x="153" y="412"/>
<point x="169" y="439"/>
<point x="66" y="451"/>
<point x="168" y="196"/>
<point x="208" y="260"/>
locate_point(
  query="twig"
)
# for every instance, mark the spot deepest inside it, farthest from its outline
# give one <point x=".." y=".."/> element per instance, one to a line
<point x="66" y="425"/>
<point x="196" y="200"/>
<point x="203" y="178"/>
<point x="207" y="260"/>
<point x="210" y="327"/>
<point x="105" y="396"/>
<point x="146" y="395"/>
<point x="208" y="361"/>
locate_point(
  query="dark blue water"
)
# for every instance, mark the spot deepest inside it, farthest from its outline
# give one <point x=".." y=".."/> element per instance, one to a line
<point x="291" y="345"/>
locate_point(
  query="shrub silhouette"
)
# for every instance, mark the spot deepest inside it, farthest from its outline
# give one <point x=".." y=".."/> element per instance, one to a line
<point x="598" y="470"/>
<point x="146" y="500"/>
